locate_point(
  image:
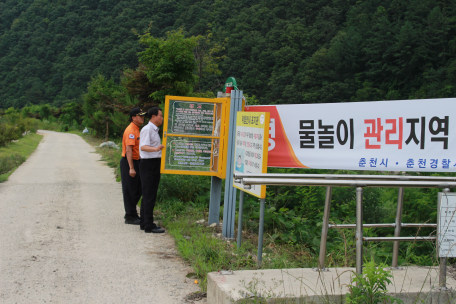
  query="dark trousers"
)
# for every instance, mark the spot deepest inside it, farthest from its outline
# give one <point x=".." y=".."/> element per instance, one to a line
<point x="131" y="186"/>
<point x="149" y="169"/>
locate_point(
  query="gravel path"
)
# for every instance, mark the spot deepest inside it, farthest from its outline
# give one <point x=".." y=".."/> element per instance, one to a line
<point x="63" y="237"/>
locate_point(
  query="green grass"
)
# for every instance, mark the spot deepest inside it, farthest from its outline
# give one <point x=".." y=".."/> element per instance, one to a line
<point x="199" y="246"/>
<point x="15" y="153"/>
<point x="204" y="252"/>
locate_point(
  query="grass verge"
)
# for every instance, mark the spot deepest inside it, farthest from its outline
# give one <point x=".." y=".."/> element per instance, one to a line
<point x="205" y="250"/>
<point x="15" y="153"/>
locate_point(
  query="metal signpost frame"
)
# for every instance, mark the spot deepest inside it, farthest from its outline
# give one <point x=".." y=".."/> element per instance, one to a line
<point x="358" y="181"/>
<point x="216" y="181"/>
<point x="229" y="207"/>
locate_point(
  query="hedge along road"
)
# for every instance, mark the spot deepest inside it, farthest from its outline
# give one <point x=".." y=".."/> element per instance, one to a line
<point x="63" y="237"/>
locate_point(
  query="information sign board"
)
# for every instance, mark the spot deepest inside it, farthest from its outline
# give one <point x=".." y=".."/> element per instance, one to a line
<point x="251" y="147"/>
<point x="446" y="225"/>
<point x="195" y="118"/>
<point x="194" y="135"/>
<point x="190" y="153"/>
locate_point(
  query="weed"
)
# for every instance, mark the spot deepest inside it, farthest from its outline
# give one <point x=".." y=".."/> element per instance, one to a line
<point x="7" y="163"/>
<point x="370" y="287"/>
<point x="257" y="292"/>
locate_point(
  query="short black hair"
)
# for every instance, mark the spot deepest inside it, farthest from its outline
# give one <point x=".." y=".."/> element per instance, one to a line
<point x="153" y="111"/>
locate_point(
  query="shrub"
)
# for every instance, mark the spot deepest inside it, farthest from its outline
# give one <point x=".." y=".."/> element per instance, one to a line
<point x="13" y="125"/>
<point x="64" y="128"/>
<point x="10" y="162"/>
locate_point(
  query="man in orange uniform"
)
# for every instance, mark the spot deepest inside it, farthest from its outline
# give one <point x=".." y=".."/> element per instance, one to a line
<point x="129" y="167"/>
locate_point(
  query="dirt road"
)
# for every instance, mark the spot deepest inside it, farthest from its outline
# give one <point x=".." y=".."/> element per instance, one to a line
<point x="63" y="237"/>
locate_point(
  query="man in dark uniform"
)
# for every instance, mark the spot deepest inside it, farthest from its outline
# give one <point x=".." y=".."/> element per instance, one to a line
<point x="129" y="167"/>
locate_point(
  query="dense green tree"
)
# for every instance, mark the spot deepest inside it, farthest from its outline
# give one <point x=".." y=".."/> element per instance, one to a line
<point x="282" y="51"/>
<point x="169" y="63"/>
<point x="406" y="63"/>
<point x="137" y="84"/>
<point x="207" y="57"/>
<point x="100" y="103"/>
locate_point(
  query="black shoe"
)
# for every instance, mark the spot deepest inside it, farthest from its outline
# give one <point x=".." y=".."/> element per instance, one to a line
<point x="156" y="227"/>
<point x="132" y="220"/>
<point x="155" y="230"/>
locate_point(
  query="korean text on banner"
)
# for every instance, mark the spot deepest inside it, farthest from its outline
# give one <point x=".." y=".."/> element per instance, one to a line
<point x="251" y="149"/>
<point x="397" y="135"/>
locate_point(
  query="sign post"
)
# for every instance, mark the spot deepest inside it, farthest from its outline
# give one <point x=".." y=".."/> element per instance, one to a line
<point x="446" y="232"/>
<point x="229" y="207"/>
<point x="251" y="156"/>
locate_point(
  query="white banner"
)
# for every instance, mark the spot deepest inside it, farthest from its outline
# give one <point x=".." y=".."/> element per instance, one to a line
<point x="399" y="135"/>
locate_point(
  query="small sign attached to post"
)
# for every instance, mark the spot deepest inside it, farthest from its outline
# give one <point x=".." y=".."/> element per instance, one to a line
<point x="251" y="152"/>
<point x="446" y="225"/>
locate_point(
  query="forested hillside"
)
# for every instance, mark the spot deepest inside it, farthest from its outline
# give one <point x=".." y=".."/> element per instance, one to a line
<point x="282" y="51"/>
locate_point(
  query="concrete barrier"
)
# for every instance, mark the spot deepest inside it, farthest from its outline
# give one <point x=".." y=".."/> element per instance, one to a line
<point x="412" y="285"/>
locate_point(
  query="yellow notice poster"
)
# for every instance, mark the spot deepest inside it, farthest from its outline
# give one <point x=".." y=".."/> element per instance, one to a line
<point x="251" y="147"/>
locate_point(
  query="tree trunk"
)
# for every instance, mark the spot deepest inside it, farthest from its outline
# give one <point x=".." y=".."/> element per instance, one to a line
<point x="107" y="131"/>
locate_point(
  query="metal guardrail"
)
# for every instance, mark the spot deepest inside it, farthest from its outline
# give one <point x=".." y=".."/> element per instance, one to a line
<point x="358" y="181"/>
<point x="401" y="238"/>
<point x="247" y="182"/>
<point x="344" y="176"/>
<point x="335" y="226"/>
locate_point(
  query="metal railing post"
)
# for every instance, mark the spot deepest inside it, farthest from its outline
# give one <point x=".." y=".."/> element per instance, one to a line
<point x="241" y="209"/>
<point x="260" y="232"/>
<point x="397" y="230"/>
<point x="442" y="273"/>
<point x="443" y="262"/>
<point x="359" y="230"/>
<point x="324" y="230"/>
